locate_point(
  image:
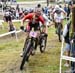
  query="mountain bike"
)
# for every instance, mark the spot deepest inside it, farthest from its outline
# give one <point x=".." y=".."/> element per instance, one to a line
<point x="29" y="46"/>
<point x="59" y="26"/>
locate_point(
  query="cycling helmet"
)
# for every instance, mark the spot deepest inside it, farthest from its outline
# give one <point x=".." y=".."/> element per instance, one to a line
<point x="31" y="10"/>
<point x="57" y="7"/>
<point x="39" y="5"/>
<point x="26" y="12"/>
<point x="38" y="11"/>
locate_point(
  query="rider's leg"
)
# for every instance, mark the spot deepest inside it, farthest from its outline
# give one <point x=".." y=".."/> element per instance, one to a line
<point x="10" y="25"/>
<point x="28" y="28"/>
<point x="56" y="27"/>
<point x="44" y="29"/>
<point x="67" y="53"/>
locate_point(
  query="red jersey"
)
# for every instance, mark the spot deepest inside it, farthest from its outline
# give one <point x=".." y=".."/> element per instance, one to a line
<point x="32" y="18"/>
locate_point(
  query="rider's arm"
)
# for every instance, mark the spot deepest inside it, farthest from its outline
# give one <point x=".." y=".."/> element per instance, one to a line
<point x="63" y="11"/>
<point x="46" y="18"/>
<point x="47" y="21"/>
<point x="29" y="16"/>
<point x="43" y="22"/>
<point x="41" y="19"/>
<point x="53" y="11"/>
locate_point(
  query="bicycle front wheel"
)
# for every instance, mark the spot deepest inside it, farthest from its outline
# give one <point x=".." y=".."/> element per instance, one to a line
<point x="25" y="55"/>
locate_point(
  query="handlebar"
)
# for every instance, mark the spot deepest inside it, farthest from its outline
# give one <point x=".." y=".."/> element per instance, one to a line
<point x="22" y="28"/>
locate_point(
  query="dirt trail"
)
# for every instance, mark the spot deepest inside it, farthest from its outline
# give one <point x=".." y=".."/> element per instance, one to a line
<point x="39" y="63"/>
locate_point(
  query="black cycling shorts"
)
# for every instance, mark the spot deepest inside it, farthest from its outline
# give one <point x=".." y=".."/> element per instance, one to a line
<point x="7" y="18"/>
<point x="36" y="26"/>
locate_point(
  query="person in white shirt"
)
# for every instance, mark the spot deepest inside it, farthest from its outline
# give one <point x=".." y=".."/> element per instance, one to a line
<point x="58" y="14"/>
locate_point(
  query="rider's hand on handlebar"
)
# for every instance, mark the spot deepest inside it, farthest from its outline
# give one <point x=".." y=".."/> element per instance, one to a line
<point x="22" y="27"/>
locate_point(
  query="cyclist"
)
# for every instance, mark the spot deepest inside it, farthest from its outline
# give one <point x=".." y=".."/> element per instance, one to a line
<point x="47" y="21"/>
<point x="7" y="16"/>
<point x="57" y="15"/>
<point x="66" y="35"/>
<point x="8" y="19"/>
<point x="34" y="19"/>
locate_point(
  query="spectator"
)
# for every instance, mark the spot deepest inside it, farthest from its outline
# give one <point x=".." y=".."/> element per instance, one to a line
<point x="67" y="41"/>
<point x="8" y="19"/>
<point x="17" y="14"/>
<point x="17" y="7"/>
<point x="46" y="10"/>
<point x="66" y="8"/>
<point x="13" y="0"/>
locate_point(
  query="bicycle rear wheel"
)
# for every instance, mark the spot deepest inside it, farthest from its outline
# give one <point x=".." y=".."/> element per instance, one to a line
<point x="43" y="42"/>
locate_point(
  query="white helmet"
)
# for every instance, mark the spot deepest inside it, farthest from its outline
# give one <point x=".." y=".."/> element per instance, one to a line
<point x="57" y="6"/>
<point x="38" y="10"/>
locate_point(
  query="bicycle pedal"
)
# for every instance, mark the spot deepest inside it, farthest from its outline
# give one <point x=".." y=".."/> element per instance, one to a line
<point x="33" y="52"/>
<point x="21" y="55"/>
<point x="27" y="60"/>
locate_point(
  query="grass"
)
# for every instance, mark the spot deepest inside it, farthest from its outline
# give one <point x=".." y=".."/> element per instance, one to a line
<point x="47" y="62"/>
<point x="42" y="63"/>
<point x="17" y="25"/>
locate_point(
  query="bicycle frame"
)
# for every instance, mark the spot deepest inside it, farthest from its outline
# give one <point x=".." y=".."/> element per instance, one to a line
<point x="28" y="47"/>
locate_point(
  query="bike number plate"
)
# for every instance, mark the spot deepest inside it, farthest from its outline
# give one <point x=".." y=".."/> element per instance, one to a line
<point x="33" y="34"/>
<point x="58" y="20"/>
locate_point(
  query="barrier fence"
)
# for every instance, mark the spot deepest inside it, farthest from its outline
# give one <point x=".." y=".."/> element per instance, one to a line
<point x="5" y="34"/>
<point x="8" y="33"/>
<point x="63" y="57"/>
<point x="62" y="46"/>
<point x="12" y="21"/>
